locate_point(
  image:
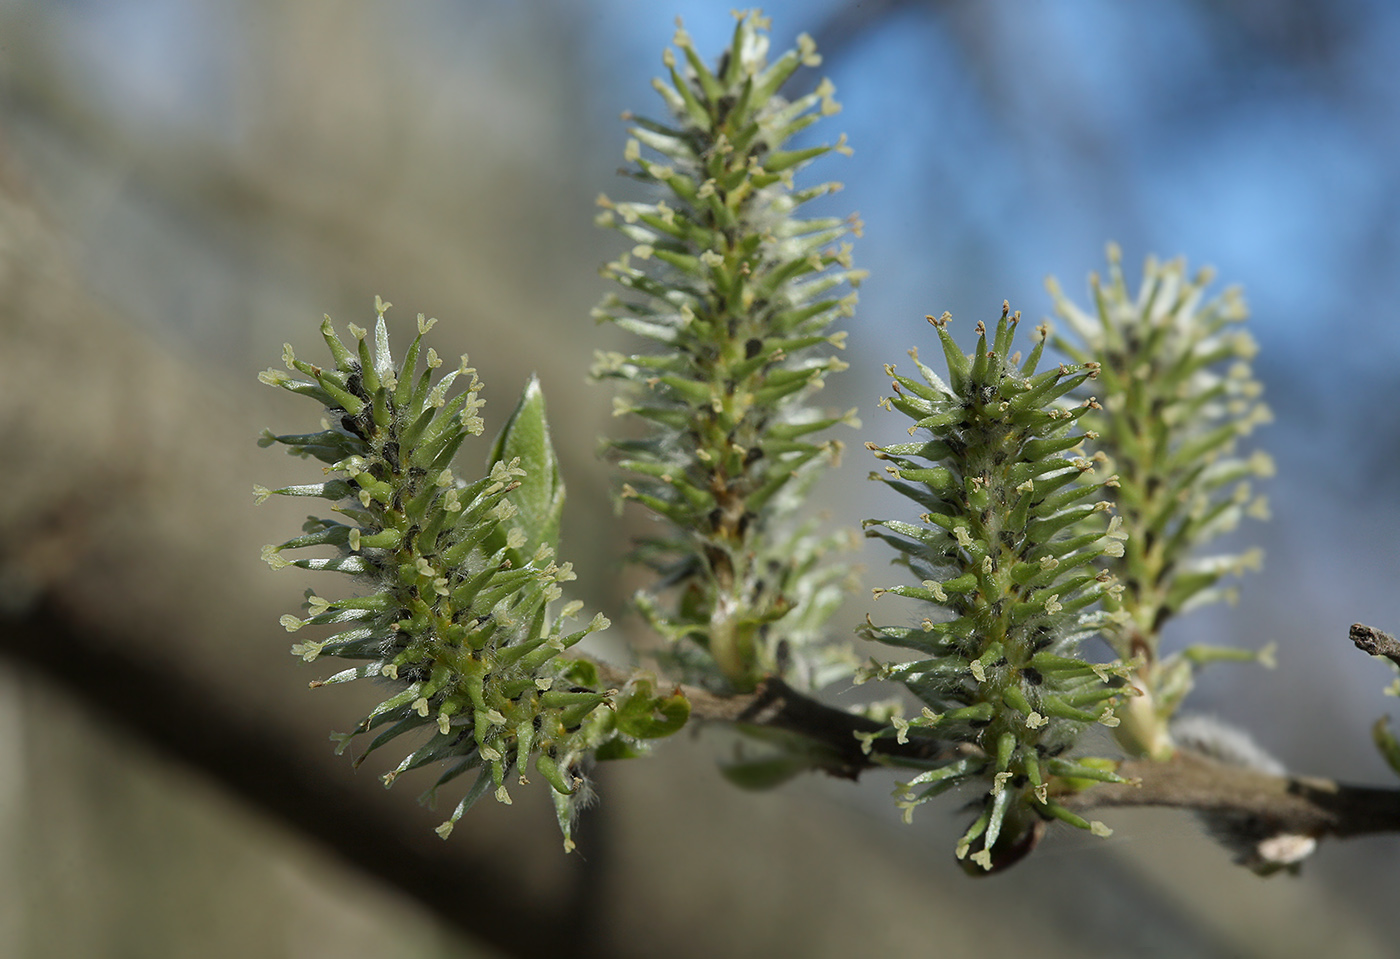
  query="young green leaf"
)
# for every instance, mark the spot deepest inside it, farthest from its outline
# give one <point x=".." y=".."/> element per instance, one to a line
<point x="539" y="497"/>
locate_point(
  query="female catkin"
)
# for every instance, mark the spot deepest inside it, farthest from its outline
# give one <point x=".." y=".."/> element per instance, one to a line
<point x="1004" y="551"/>
<point x="458" y="577"/>
<point x="738" y="294"/>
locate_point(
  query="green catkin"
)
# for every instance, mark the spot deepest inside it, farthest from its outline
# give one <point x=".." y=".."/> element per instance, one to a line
<point x="460" y="577"/>
<point x="739" y="293"/>
<point x="1175" y="364"/>
<point x="995" y="665"/>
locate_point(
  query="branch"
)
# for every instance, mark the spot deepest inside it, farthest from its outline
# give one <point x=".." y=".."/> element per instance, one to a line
<point x="773" y="704"/>
<point x="1368" y="639"/>
<point x="1262" y="804"/>
<point x="1296" y="805"/>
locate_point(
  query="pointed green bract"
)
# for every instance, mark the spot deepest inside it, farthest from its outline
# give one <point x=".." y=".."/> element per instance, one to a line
<point x="539" y="498"/>
<point x="1385" y="741"/>
<point x="1004" y="551"/>
<point x="460" y="574"/>
<point x="740" y="293"/>
<point x="1179" y="398"/>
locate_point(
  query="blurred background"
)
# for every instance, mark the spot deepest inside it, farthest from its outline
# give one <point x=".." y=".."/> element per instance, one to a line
<point x="187" y="184"/>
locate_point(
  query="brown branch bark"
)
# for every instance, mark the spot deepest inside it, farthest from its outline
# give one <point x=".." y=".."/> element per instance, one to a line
<point x="1301" y="805"/>
<point x="776" y="705"/>
<point x="1272" y="804"/>
<point x="1368" y="639"/>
